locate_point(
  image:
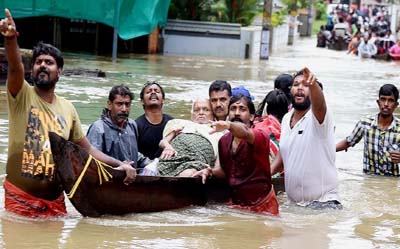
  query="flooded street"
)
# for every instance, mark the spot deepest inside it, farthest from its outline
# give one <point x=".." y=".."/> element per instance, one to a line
<point x="370" y="218"/>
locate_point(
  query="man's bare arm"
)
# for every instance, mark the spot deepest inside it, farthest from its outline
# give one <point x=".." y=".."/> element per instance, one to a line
<point x="15" y="75"/>
<point x="237" y="129"/>
<point x="317" y="98"/>
<point x="342" y="145"/>
<point x="277" y="164"/>
<point x="129" y="170"/>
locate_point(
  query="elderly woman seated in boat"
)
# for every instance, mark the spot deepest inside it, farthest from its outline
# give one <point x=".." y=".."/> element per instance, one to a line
<point x="187" y="145"/>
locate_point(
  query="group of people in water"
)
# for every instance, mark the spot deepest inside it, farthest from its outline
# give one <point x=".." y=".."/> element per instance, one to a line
<point x="366" y="32"/>
<point x="291" y="132"/>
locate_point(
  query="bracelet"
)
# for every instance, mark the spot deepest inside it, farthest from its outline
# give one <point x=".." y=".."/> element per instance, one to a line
<point x="12" y="37"/>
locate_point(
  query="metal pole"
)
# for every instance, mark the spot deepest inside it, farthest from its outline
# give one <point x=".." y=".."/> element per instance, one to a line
<point x="266" y="30"/>
<point x="310" y="18"/>
<point x="115" y="35"/>
<point x="292" y="22"/>
<point x="115" y="45"/>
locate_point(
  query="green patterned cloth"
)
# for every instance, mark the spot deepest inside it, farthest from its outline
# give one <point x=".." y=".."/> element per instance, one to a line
<point x="193" y="152"/>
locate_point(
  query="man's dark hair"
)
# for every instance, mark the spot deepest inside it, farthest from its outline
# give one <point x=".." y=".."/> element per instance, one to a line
<point x="389" y="90"/>
<point x="149" y="83"/>
<point x="47" y="49"/>
<point x="248" y="101"/>
<point x="277" y="104"/>
<point x="220" y="85"/>
<point x="121" y="90"/>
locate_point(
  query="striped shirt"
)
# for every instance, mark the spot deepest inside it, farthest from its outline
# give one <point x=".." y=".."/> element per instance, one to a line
<point x="377" y="144"/>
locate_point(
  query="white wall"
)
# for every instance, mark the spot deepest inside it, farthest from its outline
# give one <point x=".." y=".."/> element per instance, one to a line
<point x="185" y="44"/>
<point x="197" y="45"/>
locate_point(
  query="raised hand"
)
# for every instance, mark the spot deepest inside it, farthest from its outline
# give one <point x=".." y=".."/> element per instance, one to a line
<point x="309" y="78"/>
<point x="7" y="25"/>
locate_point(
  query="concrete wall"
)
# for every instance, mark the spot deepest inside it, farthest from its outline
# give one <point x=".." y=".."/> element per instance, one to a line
<point x="211" y="39"/>
<point x="280" y="36"/>
<point x="220" y="40"/>
<point x="197" y="45"/>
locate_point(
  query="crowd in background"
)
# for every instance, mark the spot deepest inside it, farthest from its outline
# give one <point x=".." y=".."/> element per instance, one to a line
<point x="365" y="31"/>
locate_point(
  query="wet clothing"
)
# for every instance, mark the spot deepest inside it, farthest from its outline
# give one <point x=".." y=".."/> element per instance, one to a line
<point x="22" y="203"/>
<point x="150" y="136"/>
<point x="377" y="144"/>
<point x="29" y="153"/>
<point x="193" y="152"/>
<point x="316" y="205"/>
<point x="268" y="205"/>
<point x="308" y="152"/>
<point x="271" y="126"/>
<point x="247" y="169"/>
<point x="120" y="143"/>
<point x="30" y="120"/>
<point x="194" y="145"/>
<point x="395" y="50"/>
<point x="187" y="126"/>
<point x="367" y="50"/>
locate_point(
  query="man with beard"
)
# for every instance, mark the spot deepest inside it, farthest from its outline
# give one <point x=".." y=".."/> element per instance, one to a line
<point x="243" y="157"/>
<point x="307" y="147"/>
<point x="30" y="188"/>
<point x="151" y="124"/>
<point x="220" y="93"/>
<point x="381" y="133"/>
<point x="114" y="133"/>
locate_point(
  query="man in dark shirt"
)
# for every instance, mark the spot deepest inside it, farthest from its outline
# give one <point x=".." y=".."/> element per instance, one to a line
<point x="151" y="124"/>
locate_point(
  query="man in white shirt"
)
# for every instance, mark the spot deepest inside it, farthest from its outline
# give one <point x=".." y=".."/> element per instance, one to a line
<point x="367" y="49"/>
<point x="307" y="147"/>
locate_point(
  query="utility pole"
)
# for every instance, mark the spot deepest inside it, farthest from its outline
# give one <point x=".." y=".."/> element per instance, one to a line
<point x="266" y="30"/>
<point x="292" y="22"/>
<point x="115" y="33"/>
<point x="310" y="18"/>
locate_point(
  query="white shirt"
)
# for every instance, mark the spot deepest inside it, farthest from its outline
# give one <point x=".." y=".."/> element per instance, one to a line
<point x="308" y="152"/>
<point x="187" y="126"/>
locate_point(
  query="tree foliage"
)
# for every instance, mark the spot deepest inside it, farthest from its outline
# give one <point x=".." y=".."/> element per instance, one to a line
<point x="235" y="11"/>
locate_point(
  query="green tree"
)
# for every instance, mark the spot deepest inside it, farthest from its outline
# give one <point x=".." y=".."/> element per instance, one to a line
<point x="242" y="11"/>
<point x="235" y="11"/>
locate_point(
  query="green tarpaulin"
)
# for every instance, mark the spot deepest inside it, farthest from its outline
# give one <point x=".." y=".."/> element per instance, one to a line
<point x="132" y="18"/>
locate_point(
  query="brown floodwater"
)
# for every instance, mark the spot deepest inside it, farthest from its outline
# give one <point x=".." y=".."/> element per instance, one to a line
<point x="370" y="218"/>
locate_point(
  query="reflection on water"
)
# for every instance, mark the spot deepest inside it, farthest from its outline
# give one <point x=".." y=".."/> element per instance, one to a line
<point x="370" y="218"/>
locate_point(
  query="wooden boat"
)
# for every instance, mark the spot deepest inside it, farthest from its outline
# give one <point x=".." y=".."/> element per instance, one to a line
<point x="339" y="44"/>
<point x="384" y="57"/>
<point x="26" y="61"/>
<point x="95" y="189"/>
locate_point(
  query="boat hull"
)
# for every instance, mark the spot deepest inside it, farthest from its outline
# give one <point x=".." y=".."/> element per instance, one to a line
<point x="146" y="194"/>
